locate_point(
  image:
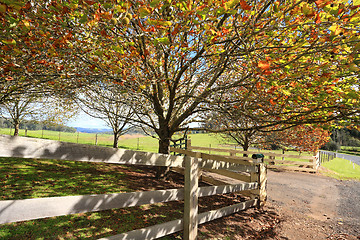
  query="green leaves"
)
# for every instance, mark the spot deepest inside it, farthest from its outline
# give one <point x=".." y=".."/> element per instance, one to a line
<point x="144" y="12"/>
<point x="154" y="3"/>
<point x="83" y="18"/>
<point x="9" y="42"/>
<point x="163" y="40"/>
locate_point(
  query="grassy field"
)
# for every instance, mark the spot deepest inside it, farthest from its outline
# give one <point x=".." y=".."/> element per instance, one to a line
<point x="342" y="169"/>
<point x="147" y="143"/>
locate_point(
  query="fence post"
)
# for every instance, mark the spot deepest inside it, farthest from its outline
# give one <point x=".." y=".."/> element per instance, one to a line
<point x="261" y="178"/>
<point x="317" y="163"/>
<point x="96" y="139"/>
<point x="321" y="156"/>
<point x="191" y="198"/>
<point x="272" y="159"/>
<point x="188" y="144"/>
<point x="262" y="184"/>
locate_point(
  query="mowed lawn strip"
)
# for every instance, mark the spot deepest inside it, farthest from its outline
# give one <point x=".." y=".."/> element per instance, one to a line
<point x="342" y="169"/>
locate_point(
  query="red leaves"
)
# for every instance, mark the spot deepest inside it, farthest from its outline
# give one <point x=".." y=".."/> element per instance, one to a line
<point x="61" y="67"/>
<point x="90" y="2"/>
<point x="103" y="33"/>
<point x="317" y="19"/>
<point x="244" y="5"/>
<point x="97" y="17"/>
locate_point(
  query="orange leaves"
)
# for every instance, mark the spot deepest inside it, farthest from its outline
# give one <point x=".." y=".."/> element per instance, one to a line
<point x="264" y="65"/>
<point x="293" y="84"/>
<point x="321" y="3"/>
<point x="244" y="5"/>
<point x="41" y="62"/>
<point x="9" y="78"/>
<point x="272" y="89"/>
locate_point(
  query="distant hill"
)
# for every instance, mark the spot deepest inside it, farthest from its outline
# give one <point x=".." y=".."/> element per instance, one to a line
<point x="93" y="130"/>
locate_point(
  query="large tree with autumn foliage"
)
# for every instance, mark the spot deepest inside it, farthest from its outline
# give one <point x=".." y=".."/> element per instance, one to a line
<point x="180" y="58"/>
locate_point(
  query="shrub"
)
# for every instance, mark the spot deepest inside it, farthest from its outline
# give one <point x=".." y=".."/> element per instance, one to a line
<point x="331" y="146"/>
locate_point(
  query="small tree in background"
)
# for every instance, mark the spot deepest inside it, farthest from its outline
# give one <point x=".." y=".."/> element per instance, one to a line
<point x="106" y="103"/>
<point x="43" y="109"/>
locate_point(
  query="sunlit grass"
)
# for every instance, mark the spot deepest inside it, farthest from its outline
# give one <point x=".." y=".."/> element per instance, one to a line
<point x="30" y="178"/>
<point x="342" y="169"/>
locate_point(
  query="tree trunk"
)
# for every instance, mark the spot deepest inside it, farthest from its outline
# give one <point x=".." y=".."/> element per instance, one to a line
<point x="116" y="140"/>
<point x="16" y="128"/>
<point x="164" y="147"/>
<point x="245" y="148"/>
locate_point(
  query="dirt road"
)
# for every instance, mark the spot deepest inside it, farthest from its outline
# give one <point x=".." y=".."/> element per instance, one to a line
<point x="315" y="207"/>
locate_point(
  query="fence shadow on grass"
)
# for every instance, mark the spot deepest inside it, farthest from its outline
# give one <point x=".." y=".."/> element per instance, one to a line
<point x="45" y="149"/>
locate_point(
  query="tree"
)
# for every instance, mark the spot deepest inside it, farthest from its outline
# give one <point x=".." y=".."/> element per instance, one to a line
<point x="179" y="59"/>
<point x="47" y="110"/>
<point x="103" y="102"/>
<point x="302" y="138"/>
<point x="215" y="121"/>
<point x="18" y="109"/>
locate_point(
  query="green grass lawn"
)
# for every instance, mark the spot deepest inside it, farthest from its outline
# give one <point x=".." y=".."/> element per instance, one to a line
<point x="29" y="178"/>
<point x="147" y="143"/>
<point x="350" y="150"/>
<point x="342" y="169"/>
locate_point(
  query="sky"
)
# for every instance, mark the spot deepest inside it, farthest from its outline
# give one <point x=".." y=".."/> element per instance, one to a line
<point x="85" y="121"/>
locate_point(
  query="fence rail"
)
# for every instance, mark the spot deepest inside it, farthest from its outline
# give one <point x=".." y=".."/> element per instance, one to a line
<point x="251" y="172"/>
<point x="275" y="160"/>
<point x="326" y="156"/>
<point x="26" y="209"/>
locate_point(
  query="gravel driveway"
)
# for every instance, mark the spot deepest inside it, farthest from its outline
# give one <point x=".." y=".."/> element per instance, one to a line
<point x="315" y="207"/>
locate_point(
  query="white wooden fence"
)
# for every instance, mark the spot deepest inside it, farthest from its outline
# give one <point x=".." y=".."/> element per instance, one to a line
<point x="275" y="160"/>
<point x="27" y="209"/>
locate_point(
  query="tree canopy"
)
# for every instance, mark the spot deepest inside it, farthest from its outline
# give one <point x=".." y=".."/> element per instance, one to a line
<point x="284" y="62"/>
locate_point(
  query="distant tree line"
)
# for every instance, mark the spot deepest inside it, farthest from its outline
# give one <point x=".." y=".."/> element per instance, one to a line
<point x="343" y="137"/>
<point x="35" y="125"/>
